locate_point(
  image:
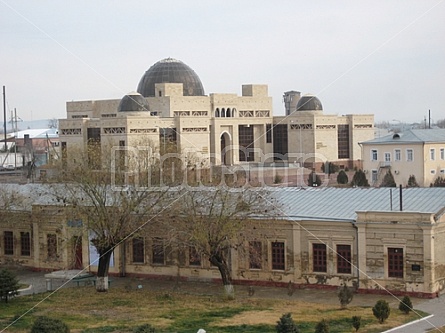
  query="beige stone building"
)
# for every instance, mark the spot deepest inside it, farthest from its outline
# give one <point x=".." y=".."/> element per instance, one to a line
<point x="417" y="152"/>
<point x="170" y="107"/>
<point x="319" y="238"/>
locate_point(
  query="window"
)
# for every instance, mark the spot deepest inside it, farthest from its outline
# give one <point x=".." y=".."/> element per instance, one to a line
<point x="255" y="255"/>
<point x="268" y="133"/>
<point x="374" y="155"/>
<point x="387" y="157"/>
<point x="25" y="244"/>
<point x="442" y="154"/>
<point x="432" y="154"/>
<point x="8" y="240"/>
<point x="194" y="257"/>
<point x="278" y="255"/>
<point x="395" y="262"/>
<point x="138" y="250"/>
<point x="433" y="172"/>
<point x="343" y="141"/>
<point x="344" y="259"/>
<point x="158" y="251"/>
<point x="246" y="143"/>
<point x="397" y="155"/>
<point x="409" y="155"/>
<point x="319" y="257"/>
<point x="51" y="240"/>
<point x="374" y="175"/>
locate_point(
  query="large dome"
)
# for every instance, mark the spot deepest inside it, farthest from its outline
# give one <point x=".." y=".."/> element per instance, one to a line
<point x="133" y="102"/>
<point x="170" y="71"/>
<point x="309" y="103"/>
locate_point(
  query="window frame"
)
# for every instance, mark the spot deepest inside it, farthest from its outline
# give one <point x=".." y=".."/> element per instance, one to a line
<point x="387" y="156"/>
<point x="158" y="257"/>
<point x="397" y="155"/>
<point x="374" y="155"/>
<point x="442" y="153"/>
<point x="8" y="243"/>
<point x="255" y="254"/>
<point x="138" y="250"/>
<point x="278" y="255"/>
<point x="195" y="258"/>
<point x="319" y="258"/>
<point x="395" y="261"/>
<point x="409" y="155"/>
<point x="432" y="154"/>
<point x="25" y="244"/>
<point x="344" y="258"/>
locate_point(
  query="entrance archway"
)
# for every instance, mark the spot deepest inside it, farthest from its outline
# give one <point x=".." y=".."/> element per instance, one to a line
<point x="226" y="151"/>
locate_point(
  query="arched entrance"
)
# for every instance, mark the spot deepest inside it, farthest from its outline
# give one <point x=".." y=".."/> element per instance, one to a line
<point x="226" y="151"/>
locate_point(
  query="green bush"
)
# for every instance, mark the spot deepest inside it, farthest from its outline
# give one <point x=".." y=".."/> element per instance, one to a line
<point x="356" y="322"/>
<point x="388" y="180"/>
<point x="359" y="179"/>
<point x="49" y="325"/>
<point x="381" y="310"/>
<point x="412" y="182"/>
<point x="345" y="296"/>
<point x="342" y="177"/>
<point x="8" y="285"/>
<point x="322" y="327"/>
<point x="286" y="324"/>
<point x="313" y="180"/>
<point x="146" y="328"/>
<point x="405" y="305"/>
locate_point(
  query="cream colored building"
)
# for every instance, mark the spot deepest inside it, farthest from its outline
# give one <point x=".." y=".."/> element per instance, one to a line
<point x="319" y="238"/>
<point x="417" y="152"/>
<point x="220" y="128"/>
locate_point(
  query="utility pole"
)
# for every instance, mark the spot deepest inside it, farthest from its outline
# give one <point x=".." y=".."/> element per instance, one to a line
<point x="4" y="115"/>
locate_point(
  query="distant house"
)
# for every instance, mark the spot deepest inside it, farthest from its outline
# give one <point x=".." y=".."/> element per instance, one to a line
<point x="418" y="152"/>
<point x="319" y="238"/>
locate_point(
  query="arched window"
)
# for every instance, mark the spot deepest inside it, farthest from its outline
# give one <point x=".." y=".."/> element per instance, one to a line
<point x="233" y="112"/>
<point x="228" y="114"/>
<point x="223" y="112"/>
<point x="217" y="112"/>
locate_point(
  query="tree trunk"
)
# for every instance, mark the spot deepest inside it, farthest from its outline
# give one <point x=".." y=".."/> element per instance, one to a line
<point x="226" y="276"/>
<point x="102" y="270"/>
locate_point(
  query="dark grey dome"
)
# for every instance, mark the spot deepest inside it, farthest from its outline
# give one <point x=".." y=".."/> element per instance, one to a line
<point x="309" y="103"/>
<point x="133" y="102"/>
<point x="170" y="71"/>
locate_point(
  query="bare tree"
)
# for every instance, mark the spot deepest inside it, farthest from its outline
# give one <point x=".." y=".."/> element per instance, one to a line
<point x="211" y="221"/>
<point x="111" y="208"/>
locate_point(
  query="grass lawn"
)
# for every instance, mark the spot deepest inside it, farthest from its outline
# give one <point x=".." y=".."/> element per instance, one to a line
<point x="120" y="310"/>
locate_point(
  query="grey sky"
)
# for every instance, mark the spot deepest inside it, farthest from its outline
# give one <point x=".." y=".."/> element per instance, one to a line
<point x="381" y="57"/>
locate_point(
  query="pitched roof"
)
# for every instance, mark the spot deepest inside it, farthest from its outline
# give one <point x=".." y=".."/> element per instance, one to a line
<point x="411" y="136"/>
<point x="329" y="203"/>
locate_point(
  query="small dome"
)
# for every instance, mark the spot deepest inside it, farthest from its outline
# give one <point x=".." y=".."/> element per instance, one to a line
<point x="170" y="71"/>
<point x="133" y="102"/>
<point x="309" y="103"/>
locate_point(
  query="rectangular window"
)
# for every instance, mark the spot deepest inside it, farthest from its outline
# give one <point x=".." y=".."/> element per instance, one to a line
<point x="344" y="259"/>
<point x="280" y="139"/>
<point x="25" y="244"/>
<point x="8" y="240"/>
<point x="158" y="252"/>
<point x="374" y="175"/>
<point x="409" y="155"/>
<point x="343" y="141"/>
<point x="51" y="241"/>
<point x="432" y="154"/>
<point x="397" y="155"/>
<point x="255" y="255"/>
<point x="138" y="250"/>
<point x="442" y="154"/>
<point x="246" y="143"/>
<point x="387" y="157"/>
<point x="268" y="133"/>
<point x="319" y="257"/>
<point x="278" y="260"/>
<point x="395" y="262"/>
<point x="374" y="155"/>
<point x="194" y="257"/>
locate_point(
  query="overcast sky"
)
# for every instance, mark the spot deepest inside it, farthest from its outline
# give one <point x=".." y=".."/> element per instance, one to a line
<point x="381" y="57"/>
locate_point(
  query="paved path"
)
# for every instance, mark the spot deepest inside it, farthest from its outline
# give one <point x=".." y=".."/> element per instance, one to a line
<point x="435" y="306"/>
